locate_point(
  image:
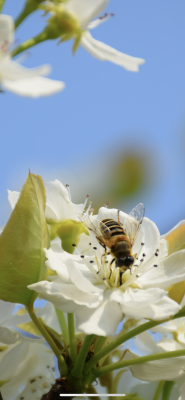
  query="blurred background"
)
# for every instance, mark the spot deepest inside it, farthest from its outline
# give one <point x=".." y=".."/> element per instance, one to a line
<point x="113" y="134"/>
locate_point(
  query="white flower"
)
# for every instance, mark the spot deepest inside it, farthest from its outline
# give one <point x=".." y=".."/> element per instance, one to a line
<point x="80" y="13"/>
<point x="17" y="79"/>
<point x="26" y="370"/>
<point x="58" y="202"/>
<point x="88" y="285"/>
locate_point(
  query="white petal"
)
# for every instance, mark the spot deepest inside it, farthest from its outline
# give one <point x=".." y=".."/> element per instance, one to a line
<point x="169" y="271"/>
<point x="149" y="303"/>
<point x="11" y="360"/>
<point x="173" y="229"/>
<point x="66" y="291"/>
<point x="34" y="87"/>
<point x="59" y="205"/>
<point x="85" y="10"/>
<point x="6" y="311"/>
<point x="106" y="53"/>
<point x="13" y="198"/>
<point x="7" y="336"/>
<point x="169" y="345"/>
<point x="6" y="28"/>
<point x="150" y="236"/>
<point x="81" y="282"/>
<point x="145" y="343"/>
<point x="160" y="370"/>
<point x="103" y="320"/>
<point x="56" y="262"/>
<point x="99" y="21"/>
<point x="12" y="388"/>
<point x="12" y="70"/>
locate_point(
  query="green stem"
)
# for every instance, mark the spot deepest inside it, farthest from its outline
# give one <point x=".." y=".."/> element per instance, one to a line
<point x="61" y="362"/>
<point x="30" y="43"/>
<point x="1" y="5"/>
<point x="115" y="343"/>
<point x="99" y="343"/>
<point x="63" y="325"/>
<point x="167" y="390"/>
<point x="72" y="337"/>
<point x="29" y="7"/>
<point x="159" y="390"/>
<point x="139" y="360"/>
<point x="126" y="336"/>
<point x="78" y="368"/>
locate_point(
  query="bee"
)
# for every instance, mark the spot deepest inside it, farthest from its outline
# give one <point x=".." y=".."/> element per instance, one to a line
<point x="118" y="236"/>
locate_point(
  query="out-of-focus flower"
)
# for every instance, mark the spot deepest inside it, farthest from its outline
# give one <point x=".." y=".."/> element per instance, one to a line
<point x="26" y="371"/>
<point x="73" y="20"/>
<point x="88" y="285"/>
<point x="17" y="79"/>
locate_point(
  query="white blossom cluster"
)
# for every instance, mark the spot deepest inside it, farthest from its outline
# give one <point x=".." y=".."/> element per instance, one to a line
<point x="32" y="82"/>
<point x="82" y="284"/>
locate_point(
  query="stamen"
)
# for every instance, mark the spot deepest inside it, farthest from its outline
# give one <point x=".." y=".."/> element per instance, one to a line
<point x="155" y="266"/>
<point x="91" y="213"/>
<point x="141" y="260"/>
<point x="144" y="255"/>
<point x="156" y="254"/>
<point x="86" y="200"/>
<point x="89" y="207"/>
<point x="142" y="244"/>
<point x="82" y="256"/>
<point x="106" y="205"/>
<point x="69" y="193"/>
<point x="91" y="261"/>
<point x="74" y="245"/>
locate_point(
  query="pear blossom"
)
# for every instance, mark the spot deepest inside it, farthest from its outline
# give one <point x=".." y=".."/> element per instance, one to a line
<point x="26" y="371"/>
<point x="88" y="285"/>
<point x="77" y="16"/>
<point x="18" y="79"/>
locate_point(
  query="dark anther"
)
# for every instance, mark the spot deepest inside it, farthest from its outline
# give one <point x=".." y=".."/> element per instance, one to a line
<point x="141" y="260"/>
<point x="98" y="272"/>
<point x="106" y="262"/>
<point x="156" y="254"/>
<point x="32" y="380"/>
<point x="74" y="245"/>
<point x="104" y="279"/>
<point x="91" y="261"/>
<point x="157" y="250"/>
<point x="142" y="244"/>
<point x="137" y="276"/>
<point x="144" y="255"/>
<point x="82" y="256"/>
<point x="89" y="244"/>
<point x="135" y="265"/>
<point x="94" y="248"/>
<point x="155" y="265"/>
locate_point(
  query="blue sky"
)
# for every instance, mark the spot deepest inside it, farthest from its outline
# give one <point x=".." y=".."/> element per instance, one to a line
<point x="104" y="107"/>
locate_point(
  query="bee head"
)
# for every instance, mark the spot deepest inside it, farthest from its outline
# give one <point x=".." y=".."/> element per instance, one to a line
<point x="124" y="262"/>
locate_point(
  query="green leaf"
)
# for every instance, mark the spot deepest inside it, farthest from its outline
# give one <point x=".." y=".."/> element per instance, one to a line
<point x="22" y="258"/>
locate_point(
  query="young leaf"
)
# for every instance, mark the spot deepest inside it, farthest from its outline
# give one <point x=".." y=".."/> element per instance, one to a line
<point x="22" y="258"/>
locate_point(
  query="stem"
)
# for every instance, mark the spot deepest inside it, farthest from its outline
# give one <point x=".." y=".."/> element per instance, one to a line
<point x="63" y="325"/>
<point x="121" y="339"/>
<point x="99" y="343"/>
<point x="30" y="43"/>
<point x="1" y="5"/>
<point x="30" y="7"/>
<point x="78" y="368"/>
<point x="72" y="337"/>
<point x="139" y="360"/>
<point x="167" y="390"/>
<point x="126" y="336"/>
<point x="61" y="362"/>
<point x="159" y="390"/>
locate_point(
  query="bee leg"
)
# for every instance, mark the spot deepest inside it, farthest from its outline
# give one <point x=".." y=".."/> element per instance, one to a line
<point x="112" y="261"/>
<point x="121" y="273"/>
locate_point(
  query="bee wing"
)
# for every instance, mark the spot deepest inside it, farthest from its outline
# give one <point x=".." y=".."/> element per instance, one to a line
<point x="133" y="222"/>
<point x="93" y="224"/>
